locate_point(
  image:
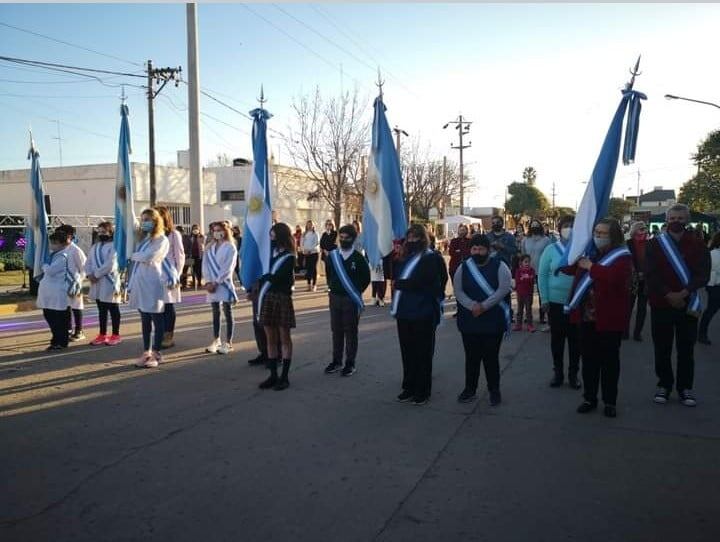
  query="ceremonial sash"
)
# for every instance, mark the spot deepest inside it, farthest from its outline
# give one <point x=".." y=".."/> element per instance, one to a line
<point x="487" y="289"/>
<point x="74" y="286"/>
<point x="266" y="286"/>
<point x="407" y="271"/>
<point x="112" y="276"/>
<point x="352" y="291"/>
<point x="142" y="246"/>
<point x="215" y="269"/>
<point x="585" y="282"/>
<point x="681" y="270"/>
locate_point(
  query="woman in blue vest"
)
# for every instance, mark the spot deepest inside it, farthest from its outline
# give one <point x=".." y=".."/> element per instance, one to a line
<point x="481" y="284"/>
<point x="419" y="290"/>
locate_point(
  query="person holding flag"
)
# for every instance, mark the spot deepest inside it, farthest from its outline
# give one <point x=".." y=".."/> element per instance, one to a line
<point x="218" y="268"/>
<point x="600" y="305"/>
<point x="172" y="265"/>
<point x="101" y="269"/>
<point x="348" y="277"/>
<point x="53" y="291"/>
<point x="678" y="266"/>
<point x="76" y="260"/>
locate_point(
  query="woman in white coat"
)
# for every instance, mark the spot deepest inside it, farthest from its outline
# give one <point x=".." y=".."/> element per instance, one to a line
<point x="53" y="289"/>
<point x="101" y="269"/>
<point x="174" y="263"/>
<point x="147" y="285"/>
<point x="77" y="259"/>
<point x="218" y="267"/>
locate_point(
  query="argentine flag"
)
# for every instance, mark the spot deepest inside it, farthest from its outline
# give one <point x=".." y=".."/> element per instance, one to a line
<point x="383" y="210"/>
<point x="37" y="249"/>
<point x="594" y="205"/>
<point x="255" y="249"/>
<point x="124" y="238"/>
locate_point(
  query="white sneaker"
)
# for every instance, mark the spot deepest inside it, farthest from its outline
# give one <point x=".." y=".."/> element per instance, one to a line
<point x="143" y="359"/>
<point x="314" y="288"/>
<point x="225" y="348"/>
<point x="382" y="303"/>
<point x="213" y="347"/>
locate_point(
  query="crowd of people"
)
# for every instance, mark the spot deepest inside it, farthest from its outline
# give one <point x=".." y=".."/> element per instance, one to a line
<point x="587" y="305"/>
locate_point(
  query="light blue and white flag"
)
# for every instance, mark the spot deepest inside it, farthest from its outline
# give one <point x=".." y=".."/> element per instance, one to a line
<point x="594" y="205"/>
<point x="383" y="210"/>
<point x="37" y="251"/>
<point x="125" y="221"/>
<point x="255" y="248"/>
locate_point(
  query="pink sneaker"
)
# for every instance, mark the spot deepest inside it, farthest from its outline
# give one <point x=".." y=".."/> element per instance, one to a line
<point x="531" y="328"/>
<point x="517" y="327"/>
<point x="143" y="359"/>
<point x="113" y="340"/>
<point x="99" y="340"/>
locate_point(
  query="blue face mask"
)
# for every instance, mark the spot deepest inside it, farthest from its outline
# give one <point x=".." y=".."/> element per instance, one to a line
<point x="147" y="226"/>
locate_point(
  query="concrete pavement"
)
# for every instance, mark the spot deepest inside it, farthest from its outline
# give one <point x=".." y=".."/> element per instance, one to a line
<point x="94" y="449"/>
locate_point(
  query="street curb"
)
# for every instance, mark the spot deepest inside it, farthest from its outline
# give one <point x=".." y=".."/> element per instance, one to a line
<point x="12" y="308"/>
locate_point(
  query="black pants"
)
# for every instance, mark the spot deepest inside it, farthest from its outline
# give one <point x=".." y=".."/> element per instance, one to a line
<point x="311" y="261"/>
<point x="114" y="310"/>
<point x="668" y="325"/>
<point x="197" y="272"/>
<point x="540" y="303"/>
<point x="58" y="323"/>
<point x="229" y="322"/>
<point x="78" y="317"/>
<point x="259" y="331"/>
<point x="485" y="349"/>
<point x="170" y="317"/>
<point x="712" y="308"/>
<point x="184" y="275"/>
<point x="378" y="289"/>
<point x="150" y="320"/>
<point x="639" y="297"/>
<point x="417" y="347"/>
<point x="601" y="362"/>
<point x="562" y="330"/>
<point x="344" y="321"/>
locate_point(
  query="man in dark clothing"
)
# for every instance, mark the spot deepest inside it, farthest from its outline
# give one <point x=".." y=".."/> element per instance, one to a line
<point x="674" y="306"/>
<point x="348" y="277"/>
<point x="502" y="243"/>
<point x="187" y="247"/>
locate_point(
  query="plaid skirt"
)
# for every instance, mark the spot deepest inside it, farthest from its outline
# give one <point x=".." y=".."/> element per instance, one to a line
<point x="277" y="311"/>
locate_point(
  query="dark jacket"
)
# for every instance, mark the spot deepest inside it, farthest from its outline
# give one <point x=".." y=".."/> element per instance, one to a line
<point x="328" y="241"/>
<point x="424" y="290"/>
<point x="283" y="279"/>
<point x="492" y="321"/>
<point x="357" y="269"/>
<point x="459" y="252"/>
<point x="509" y="249"/>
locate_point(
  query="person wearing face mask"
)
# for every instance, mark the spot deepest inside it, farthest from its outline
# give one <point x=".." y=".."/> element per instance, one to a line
<point x="76" y="259"/>
<point x="148" y="284"/>
<point x="502" y="243"/>
<point x="174" y="262"/>
<point x="637" y="244"/>
<point x="459" y="249"/>
<point x="328" y="242"/>
<point x="101" y="269"/>
<point x="554" y="291"/>
<point x="419" y="290"/>
<point x="311" y="252"/>
<point x="187" y="247"/>
<point x="348" y="277"/>
<point x="524" y="288"/>
<point x="534" y="245"/>
<point x="197" y="251"/>
<point x="218" y="268"/>
<point x="481" y="285"/>
<point x="53" y="296"/>
<point x="678" y="266"/>
<point x="599" y="303"/>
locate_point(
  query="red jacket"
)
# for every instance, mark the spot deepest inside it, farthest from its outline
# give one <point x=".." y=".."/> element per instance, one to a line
<point x="611" y="285"/>
<point x="524" y="281"/>
<point x="459" y="252"/>
<point x="660" y="275"/>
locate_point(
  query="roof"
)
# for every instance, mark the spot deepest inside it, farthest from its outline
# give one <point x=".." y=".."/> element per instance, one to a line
<point x="658" y="195"/>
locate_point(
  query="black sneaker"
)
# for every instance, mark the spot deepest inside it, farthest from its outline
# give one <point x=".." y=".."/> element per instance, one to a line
<point x="586" y="407"/>
<point x="573" y="382"/>
<point x="420" y="400"/>
<point x="466" y="396"/>
<point x="259" y="360"/>
<point x="78" y="336"/>
<point x="348" y="370"/>
<point x="661" y="395"/>
<point x="610" y="411"/>
<point x="557" y="380"/>
<point x="687" y="398"/>
<point x="495" y="398"/>
<point x="332" y="367"/>
<point x="704" y="340"/>
<point x="405" y="396"/>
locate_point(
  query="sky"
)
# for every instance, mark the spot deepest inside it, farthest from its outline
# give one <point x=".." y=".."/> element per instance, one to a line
<point x="540" y="82"/>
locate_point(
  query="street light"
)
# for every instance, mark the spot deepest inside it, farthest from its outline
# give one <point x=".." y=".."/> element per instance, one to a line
<point x="673" y="97"/>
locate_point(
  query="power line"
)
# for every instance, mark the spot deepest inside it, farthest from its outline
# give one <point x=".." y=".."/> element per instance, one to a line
<point x="223" y="122"/>
<point x="40" y="63"/>
<point x="38" y="34"/>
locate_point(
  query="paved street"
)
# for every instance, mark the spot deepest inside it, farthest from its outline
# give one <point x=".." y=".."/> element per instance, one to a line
<point x="94" y="449"/>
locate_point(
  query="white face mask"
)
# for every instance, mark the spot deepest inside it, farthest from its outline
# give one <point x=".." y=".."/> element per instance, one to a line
<point x="218" y="235"/>
<point x="601" y="242"/>
<point x="565" y="233"/>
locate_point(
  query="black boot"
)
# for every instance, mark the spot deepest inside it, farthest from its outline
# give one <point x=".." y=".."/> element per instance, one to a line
<point x="270" y="381"/>
<point x="557" y="380"/>
<point x="573" y="381"/>
<point x="283" y="383"/>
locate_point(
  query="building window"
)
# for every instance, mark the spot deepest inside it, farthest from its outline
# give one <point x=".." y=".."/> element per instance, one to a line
<point x="180" y="214"/>
<point x="232" y="195"/>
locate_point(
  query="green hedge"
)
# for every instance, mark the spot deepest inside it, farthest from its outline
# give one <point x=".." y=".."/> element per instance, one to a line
<point x="11" y="261"/>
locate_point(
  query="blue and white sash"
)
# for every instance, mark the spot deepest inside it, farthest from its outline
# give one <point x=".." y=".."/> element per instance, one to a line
<point x="407" y="271"/>
<point x="352" y="291"/>
<point x="681" y="270"/>
<point x="215" y="269"/>
<point x="171" y="274"/>
<point x="265" y="287"/>
<point x="585" y="282"/>
<point x="112" y="276"/>
<point x="74" y="286"/>
<point x="487" y="289"/>
<point x="142" y="246"/>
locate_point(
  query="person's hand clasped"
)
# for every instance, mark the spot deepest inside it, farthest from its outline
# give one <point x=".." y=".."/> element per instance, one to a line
<point x="477" y="309"/>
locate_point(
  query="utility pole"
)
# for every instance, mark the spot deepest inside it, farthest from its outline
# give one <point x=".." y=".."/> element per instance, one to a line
<point x="159" y="75"/>
<point x="553" y="199"/>
<point x="59" y="140"/>
<point x="398" y="133"/>
<point x="638" y="187"/>
<point x="444" y="183"/>
<point x="197" y="215"/>
<point x="463" y="128"/>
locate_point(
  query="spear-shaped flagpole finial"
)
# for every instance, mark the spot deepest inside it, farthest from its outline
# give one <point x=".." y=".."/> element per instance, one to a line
<point x="380" y="83"/>
<point x="634" y="72"/>
<point x="123" y="96"/>
<point x="262" y="99"/>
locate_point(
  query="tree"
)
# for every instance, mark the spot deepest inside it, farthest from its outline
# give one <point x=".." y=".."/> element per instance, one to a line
<point x="327" y="140"/>
<point x="529" y="175"/>
<point x="525" y="199"/>
<point x="618" y="208"/>
<point x="707" y="157"/>
<point x="702" y="192"/>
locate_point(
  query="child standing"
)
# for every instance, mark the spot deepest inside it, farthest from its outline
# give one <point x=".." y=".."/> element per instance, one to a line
<point x="102" y="271"/>
<point x="524" y="286"/>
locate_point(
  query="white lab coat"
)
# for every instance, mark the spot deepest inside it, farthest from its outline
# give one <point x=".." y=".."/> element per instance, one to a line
<point x="52" y="290"/>
<point x="176" y="256"/>
<point x="147" y="283"/>
<point x="226" y="256"/>
<point x="104" y="289"/>
<point x="76" y="264"/>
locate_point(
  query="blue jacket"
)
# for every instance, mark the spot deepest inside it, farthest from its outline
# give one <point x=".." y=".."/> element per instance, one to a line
<point x="554" y="286"/>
